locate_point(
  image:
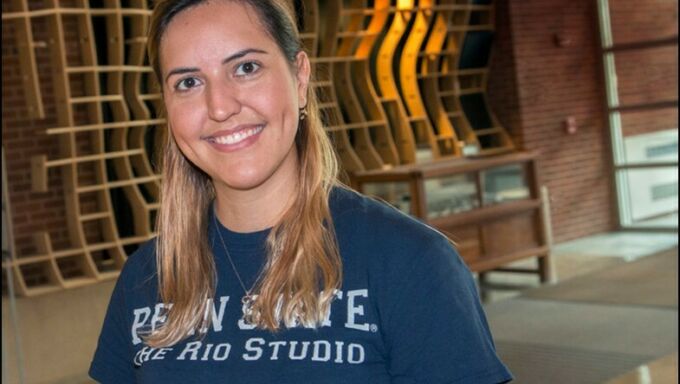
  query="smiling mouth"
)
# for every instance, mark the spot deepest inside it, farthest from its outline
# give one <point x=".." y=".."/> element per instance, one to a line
<point x="236" y="137"/>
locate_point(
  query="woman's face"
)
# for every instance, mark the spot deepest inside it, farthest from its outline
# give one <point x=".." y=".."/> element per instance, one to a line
<point x="231" y="96"/>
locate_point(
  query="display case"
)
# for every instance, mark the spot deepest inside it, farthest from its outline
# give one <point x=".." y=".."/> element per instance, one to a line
<point x="491" y="207"/>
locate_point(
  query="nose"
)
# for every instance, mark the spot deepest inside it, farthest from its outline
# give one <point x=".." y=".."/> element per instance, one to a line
<point x="222" y="102"/>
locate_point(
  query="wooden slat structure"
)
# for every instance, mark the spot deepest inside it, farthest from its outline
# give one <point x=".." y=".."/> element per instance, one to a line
<point x="400" y="83"/>
<point x="103" y="118"/>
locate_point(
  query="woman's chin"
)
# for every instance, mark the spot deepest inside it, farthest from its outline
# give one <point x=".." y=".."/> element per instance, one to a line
<point x="257" y="173"/>
<point x="241" y="183"/>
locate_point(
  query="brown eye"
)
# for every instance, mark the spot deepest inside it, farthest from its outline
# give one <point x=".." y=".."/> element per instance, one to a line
<point x="187" y="83"/>
<point x="247" y="68"/>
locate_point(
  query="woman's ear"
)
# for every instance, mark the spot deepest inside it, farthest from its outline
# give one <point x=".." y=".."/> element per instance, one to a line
<point x="303" y="75"/>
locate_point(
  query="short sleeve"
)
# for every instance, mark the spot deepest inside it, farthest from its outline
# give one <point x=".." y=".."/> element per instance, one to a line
<point x="112" y="362"/>
<point x="435" y="327"/>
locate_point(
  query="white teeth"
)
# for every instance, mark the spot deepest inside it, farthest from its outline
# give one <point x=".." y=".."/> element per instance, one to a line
<point x="239" y="136"/>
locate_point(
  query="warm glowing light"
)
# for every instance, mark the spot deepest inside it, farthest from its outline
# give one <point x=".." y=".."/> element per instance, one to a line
<point x="404" y="4"/>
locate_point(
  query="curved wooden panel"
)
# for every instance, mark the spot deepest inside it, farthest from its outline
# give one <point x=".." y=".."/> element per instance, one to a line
<point x="408" y="81"/>
<point x="429" y="74"/>
<point x="329" y="104"/>
<point x="473" y="62"/>
<point x="457" y="23"/>
<point x="348" y="33"/>
<point x="144" y="197"/>
<point x="309" y="27"/>
<point x="25" y="45"/>
<point x="387" y="88"/>
<point x="373" y="113"/>
<point x="103" y="126"/>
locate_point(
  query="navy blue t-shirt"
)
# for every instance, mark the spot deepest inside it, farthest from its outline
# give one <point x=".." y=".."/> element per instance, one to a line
<point x="407" y="312"/>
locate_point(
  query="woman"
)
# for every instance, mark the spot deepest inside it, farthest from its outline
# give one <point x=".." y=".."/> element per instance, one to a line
<point x="265" y="270"/>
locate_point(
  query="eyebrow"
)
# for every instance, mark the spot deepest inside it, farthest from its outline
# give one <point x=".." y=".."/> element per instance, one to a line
<point x="241" y="54"/>
<point x="235" y="56"/>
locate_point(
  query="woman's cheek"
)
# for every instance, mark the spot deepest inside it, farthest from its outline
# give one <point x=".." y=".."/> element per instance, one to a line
<point x="185" y="117"/>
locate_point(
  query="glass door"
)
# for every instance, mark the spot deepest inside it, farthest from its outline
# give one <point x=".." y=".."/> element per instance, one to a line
<point x="640" y="48"/>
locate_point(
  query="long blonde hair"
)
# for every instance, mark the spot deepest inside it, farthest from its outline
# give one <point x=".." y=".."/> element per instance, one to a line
<point x="303" y="267"/>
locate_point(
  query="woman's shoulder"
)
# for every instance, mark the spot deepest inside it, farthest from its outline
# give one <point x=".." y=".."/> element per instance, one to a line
<point x="143" y="255"/>
<point x="393" y="244"/>
<point x="140" y="266"/>
<point x="380" y="221"/>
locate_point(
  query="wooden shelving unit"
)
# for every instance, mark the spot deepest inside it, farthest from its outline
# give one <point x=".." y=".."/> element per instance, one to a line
<point x="401" y="83"/>
<point x="104" y="112"/>
<point x="491" y="207"/>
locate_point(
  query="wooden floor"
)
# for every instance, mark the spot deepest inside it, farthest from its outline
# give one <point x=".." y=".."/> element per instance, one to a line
<point x="614" y="321"/>
<point x="660" y="371"/>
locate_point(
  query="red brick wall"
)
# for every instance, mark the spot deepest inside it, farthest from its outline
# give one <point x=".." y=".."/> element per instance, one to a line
<point x="23" y="138"/>
<point x="651" y="74"/>
<point x="555" y="82"/>
<point x="635" y="123"/>
<point x="636" y="20"/>
<point x="503" y="91"/>
<point x="552" y="84"/>
<point x="647" y="75"/>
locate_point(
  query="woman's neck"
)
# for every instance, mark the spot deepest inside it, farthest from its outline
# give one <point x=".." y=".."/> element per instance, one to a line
<point x="257" y="209"/>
